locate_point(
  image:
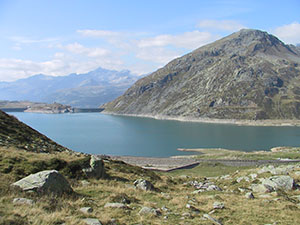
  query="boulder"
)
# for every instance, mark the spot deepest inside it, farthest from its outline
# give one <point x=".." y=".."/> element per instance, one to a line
<point x="281" y="170"/>
<point x="147" y="210"/>
<point x="96" y="169"/>
<point x="144" y="185"/>
<point x="249" y="195"/>
<point x="86" y="210"/>
<point x="92" y="221"/>
<point x="47" y="181"/>
<point x="218" y="205"/>
<point x="285" y="183"/>
<point x="261" y="188"/>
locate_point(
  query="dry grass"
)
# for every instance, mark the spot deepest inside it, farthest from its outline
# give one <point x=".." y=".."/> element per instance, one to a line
<point x="176" y="194"/>
<point x="218" y="153"/>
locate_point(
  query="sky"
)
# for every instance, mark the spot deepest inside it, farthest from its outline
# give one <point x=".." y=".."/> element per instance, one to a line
<point x="59" y="37"/>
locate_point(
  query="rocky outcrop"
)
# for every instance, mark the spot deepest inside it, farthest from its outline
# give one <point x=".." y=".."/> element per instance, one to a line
<point x="48" y="181"/>
<point x="14" y="133"/>
<point x="96" y="169"/>
<point x="144" y="185"/>
<point x="247" y="75"/>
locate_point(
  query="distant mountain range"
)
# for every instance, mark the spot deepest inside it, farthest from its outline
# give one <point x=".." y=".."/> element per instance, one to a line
<point x="87" y="90"/>
<point x="249" y="74"/>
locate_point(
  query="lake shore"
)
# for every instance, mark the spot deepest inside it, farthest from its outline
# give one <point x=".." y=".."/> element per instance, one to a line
<point x="216" y="121"/>
<point x="176" y="163"/>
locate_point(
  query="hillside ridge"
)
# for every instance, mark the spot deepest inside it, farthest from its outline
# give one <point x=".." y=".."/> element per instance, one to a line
<point x="248" y="75"/>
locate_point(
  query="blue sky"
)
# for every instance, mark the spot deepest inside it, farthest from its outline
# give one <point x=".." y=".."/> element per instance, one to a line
<point x="59" y="37"/>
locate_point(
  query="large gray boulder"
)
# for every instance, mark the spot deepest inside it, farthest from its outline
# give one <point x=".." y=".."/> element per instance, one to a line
<point x="285" y="183"/>
<point x="144" y="185"/>
<point x="96" y="169"/>
<point x="47" y="181"/>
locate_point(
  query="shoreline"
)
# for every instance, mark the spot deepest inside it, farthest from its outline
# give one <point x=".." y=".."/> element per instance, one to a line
<point x="174" y="163"/>
<point x="263" y="123"/>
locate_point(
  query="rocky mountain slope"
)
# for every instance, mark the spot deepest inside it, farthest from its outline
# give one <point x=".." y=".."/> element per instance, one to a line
<point x="78" y="90"/>
<point x="249" y="74"/>
<point x="14" y="133"/>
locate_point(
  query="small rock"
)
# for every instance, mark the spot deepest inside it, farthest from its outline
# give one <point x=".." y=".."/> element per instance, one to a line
<point x="86" y="210"/>
<point x="23" y="201"/>
<point x="218" y="205"/>
<point x="115" y="205"/>
<point x="249" y="195"/>
<point x="213" y="188"/>
<point x="239" y="179"/>
<point x="85" y="183"/>
<point x="165" y="209"/>
<point x="186" y="215"/>
<point x="143" y="185"/>
<point x="194" y="209"/>
<point x="253" y="176"/>
<point x="215" y="221"/>
<point x="147" y="210"/>
<point x="92" y="221"/>
<point x="242" y="189"/>
<point x="225" y="177"/>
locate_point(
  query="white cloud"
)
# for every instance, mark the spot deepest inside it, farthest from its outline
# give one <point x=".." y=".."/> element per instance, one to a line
<point x="90" y="52"/>
<point x="157" y="54"/>
<point x="289" y="33"/>
<point x="225" y="25"/>
<point x="99" y="33"/>
<point x="61" y="64"/>
<point x="139" y="52"/>
<point x="188" y="40"/>
<point x="26" y="40"/>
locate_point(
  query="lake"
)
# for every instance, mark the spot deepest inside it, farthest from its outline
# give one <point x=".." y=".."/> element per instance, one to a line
<point x="121" y="135"/>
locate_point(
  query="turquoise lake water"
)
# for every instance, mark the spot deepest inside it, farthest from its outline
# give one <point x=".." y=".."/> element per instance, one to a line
<point x="120" y="135"/>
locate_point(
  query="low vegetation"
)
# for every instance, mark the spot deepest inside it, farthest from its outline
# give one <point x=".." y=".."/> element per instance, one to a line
<point x="174" y="197"/>
<point x="275" y="154"/>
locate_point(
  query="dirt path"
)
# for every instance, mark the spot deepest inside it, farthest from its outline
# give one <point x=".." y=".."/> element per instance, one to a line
<point x="169" y="164"/>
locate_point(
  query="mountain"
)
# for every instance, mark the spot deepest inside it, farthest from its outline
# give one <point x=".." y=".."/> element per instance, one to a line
<point x="14" y="133"/>
<point x="249" y="74"/>
<point x="78" y="90"/>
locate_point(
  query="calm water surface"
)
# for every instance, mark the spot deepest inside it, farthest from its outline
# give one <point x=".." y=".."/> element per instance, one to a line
<point x="120" y="135"/>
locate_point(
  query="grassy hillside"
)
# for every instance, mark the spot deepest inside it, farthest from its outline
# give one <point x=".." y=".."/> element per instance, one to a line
<point x="17" y="134"/>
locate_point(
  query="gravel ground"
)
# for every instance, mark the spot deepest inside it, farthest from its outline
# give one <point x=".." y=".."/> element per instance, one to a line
<point x="168" y="164"/>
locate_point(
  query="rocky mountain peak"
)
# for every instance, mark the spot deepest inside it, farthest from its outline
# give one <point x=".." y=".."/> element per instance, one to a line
<point x="249" y="42"/>
<point x="249" y="74"/>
